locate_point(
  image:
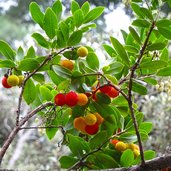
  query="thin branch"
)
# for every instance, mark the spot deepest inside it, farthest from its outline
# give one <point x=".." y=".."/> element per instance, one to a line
<point x="39" y="127"/>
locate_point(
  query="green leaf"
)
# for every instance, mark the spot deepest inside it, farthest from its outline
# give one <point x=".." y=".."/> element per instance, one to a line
<point x="127" y="158"/>
<point x="128" y="137"/>
<point x="29" y="92"/>
<point x="28" y="64"/>
<point x="46" y="93"/>
<point x="136" y="8"/>
<point x="135" y="35"/>
<point x="85" y="7"/>
<point x="36" y="13"/>
<point x="120" y="50"/>
<point x="61" y="71"/>
<point x="57" y="8"/>
<point x="131" y="49"/>
<point x="65" y="31"/>
<point x="60" y="40"/>
<point x="50" y="23"/>
<point x="78" y="18"/>
<point x="20" y="54"/>
<point x="163" y="23"/>
<point x="6" y="50"/>
<point x="166" y="32"/>
<point x="75" y="38"/>
<point x="7" y="63"/>
<point x="139" y="88"/>
<point x="164" y="56"/>
<point x="41" y="40"/>
<point x="164" y="71"/>
<point x="92" y="61"/>
<point x="153" y="64"/>
<point x="30" y="53"/>
<point x="93" y="14"/>
<point x="98" y="139"/>
<point x="39" y="77"/>
<point x="56" y="79"/>
<point x="103" y="98"/>
<point x="146" y="126"/>
<point x="74" y="6"/>
<point x="147" y="13"/>
<point x="109" y="50"/>
<point x="157" y="46"/>
<point x="67" y="161"/>
<point x="150" y="81"/>
<point x="141" y="23"/>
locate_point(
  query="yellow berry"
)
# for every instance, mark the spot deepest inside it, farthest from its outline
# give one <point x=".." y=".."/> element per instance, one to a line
<point x="120" y="146"/>
<point x="21" y="79"/>
<point x="132" y="146"/>
<point x="13" y="80"/>
<point x="79" y="124"/>
<point x="136" y="153"/>
<point x="90" y="119"/>
<point x="67" y="64"/>
<point x="82" y="51"/>
<point x="82" y="99"/>
<point x="100" y="119"/>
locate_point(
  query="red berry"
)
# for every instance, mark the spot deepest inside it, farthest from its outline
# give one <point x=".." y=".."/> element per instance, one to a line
<point x="113" y="93"/>
<point x="60" y="99"/>
<point x="71" y="98"/>
<point x="105" y="89"/>
<point x="4" y="83"/>
<point x="92" y="129"/>
<point x="114" y="141"/>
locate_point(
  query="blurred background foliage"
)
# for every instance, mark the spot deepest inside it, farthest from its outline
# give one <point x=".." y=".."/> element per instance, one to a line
<point x="31" y="150"/>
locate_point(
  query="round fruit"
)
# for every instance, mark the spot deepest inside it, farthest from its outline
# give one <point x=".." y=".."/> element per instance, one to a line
<point x="67" y="64"/>
<point x="92" y="129"/>
<point x="114" y="141"/>
<point x="4" y="82"/>
<point x="79" y="124"/>
<point x="136" y="153"/>
<point x="120" y="146"/>
<point x="21" y="79"/>
<point x="100" y="119"/>
<point x="82" y="99"/>
<point x="60" y="99"/>
<point x="90" y="119"/>
<point x="133" y="146"/>
<point x="71" y="98"/>
<point x="105" y="89"/>
<point x="113" y="93"/>
<point x="82" y="51"/>
<point x="13" y="80"/>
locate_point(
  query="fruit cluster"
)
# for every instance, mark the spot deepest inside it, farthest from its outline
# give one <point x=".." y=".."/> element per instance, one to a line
<point x="71" y="99"/>
<point x="12" y="80"/>
<point x="88" y="124"/>
<point x="121" y="146"/>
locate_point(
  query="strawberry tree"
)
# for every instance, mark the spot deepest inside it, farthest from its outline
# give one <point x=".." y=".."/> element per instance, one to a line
<point x="91" y="103"/>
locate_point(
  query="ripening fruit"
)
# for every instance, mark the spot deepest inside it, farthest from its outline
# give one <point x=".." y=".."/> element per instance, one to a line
<point x="136" y="153"/>
<point x="4" y="82"/>
<point x="60" y="99"/>
<point x="114" y="141"/>
<point x="67" y="64"/>
<point x="92" y="129"/>
<point x="100" y="119"/>
<point x="105" y="89"/>
<point x="113" y="93"/>
<point x="21" y="79"/>
<point x="90" y="119"/>
<point x="13" y="80"/>
<point x="82" y="51"/>
<point x="120" y="146"/>
<point x="71" y="98"/>
<point x="79" y="124"/>
<point x="82" y="99"/>
<point x="133" y="146"/>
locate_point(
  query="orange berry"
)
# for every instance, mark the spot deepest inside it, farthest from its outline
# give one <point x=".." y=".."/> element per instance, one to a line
<point x="90" y="119"/>
<point x="82" y="99"/>
<point x="79" y="124"/>
<point x="113" y="93"/>
<point x="4" y="83"/>
<point x="71" y="99"/>
<point x="67" y="64"/>
<point x="92" y="129"/>
<point x="82" y="51"/>
<point x="60" y="99"/>
<point x="100" y="119"/>
<point x="114" y="141"/>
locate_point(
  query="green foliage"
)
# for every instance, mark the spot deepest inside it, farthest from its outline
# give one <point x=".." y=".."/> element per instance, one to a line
<point x="129" y="68"/>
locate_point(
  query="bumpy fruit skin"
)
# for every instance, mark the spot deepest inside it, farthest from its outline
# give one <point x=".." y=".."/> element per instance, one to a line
<point x="92" y="129"/>
<point x="60" y="99"/>
<point x="4" y="83"/>
<point x="71" y="99"/>
<point x="114" y="141"/>
<point x="13" y="80"/>
<point x="79" y="124"/>
<point x="67" y="64"/>
<point x="82" y="51"/>
<point x="21" y="79"/>
<point x="136" y="153"/>
<point x="82" y="99"/>
<point x="105" y="89"/>
<point x="100" y="119"/>
<point x="90" y="119"/>
<point x="120" y="146"/>
<point x="113" y="93"/>
<point x="133" y="146"/>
